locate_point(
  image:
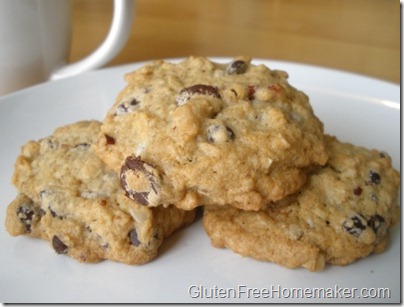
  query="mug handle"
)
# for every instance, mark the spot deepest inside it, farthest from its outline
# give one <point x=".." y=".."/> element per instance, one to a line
<point x="113" y="43"/>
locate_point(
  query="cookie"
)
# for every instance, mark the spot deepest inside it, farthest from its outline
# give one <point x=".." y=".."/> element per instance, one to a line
<point x="202" y="133"/>
<point x="342" y="214"/>
<point x="69" y="197"/>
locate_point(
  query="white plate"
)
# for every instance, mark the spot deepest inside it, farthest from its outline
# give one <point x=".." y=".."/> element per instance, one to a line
<point x="354" y="108"/>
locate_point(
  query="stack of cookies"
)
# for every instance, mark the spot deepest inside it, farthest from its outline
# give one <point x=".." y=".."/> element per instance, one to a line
<point x="236" y="139"/>
<point x="69" y="197"/>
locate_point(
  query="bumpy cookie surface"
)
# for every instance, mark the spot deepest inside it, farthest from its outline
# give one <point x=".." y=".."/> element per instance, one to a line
<point x="70" y="198"/>
<point x="343" y="213"/>
<point x="202" y="133"/>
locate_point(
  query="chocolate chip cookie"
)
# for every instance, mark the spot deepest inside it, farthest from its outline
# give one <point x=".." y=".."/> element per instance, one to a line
<point x="343" y="213"/>
<point x="69" y="197"/>
<point x="202" y="133"/>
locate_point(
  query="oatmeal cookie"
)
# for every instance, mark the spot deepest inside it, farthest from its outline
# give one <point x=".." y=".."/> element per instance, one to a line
<point x="342" y="214"/>
<point x="69" y="197"/>
<point x="202" y="133"/>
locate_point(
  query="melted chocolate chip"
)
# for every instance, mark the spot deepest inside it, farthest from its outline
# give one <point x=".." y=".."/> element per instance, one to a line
<point x="25" y="213"/>
<point x="142" y="172"/>
<point x="354" y="225"/>
<point x="133" y="237"/>
<point x="59" y="246"/>
<point x="237" y="67"/>
<point x="357" y="191"/>
<point x="127" y="106"/>
<point x="29" y="214"/>
<point x="110" y="139"/>
<point x="54" y="214"/>
<point x="219" y="134"/>
<point x="374" y="178"/>
<point x="197" y="89"/>
<point x="375" y="221"/>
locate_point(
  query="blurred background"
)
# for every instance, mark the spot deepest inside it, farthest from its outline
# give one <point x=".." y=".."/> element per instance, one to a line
<point x="359" y="36"/>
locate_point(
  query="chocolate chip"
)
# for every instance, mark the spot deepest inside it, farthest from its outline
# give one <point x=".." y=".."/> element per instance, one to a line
<point x="134" y="102"/>
<point x="138" y="179"/>
<point x="197" y="89"/>
<point x="47" y="197"/>
<point x="219" y="134"/>
<point x="127" y="106"/>
<point x="375" y="221"/>
<point x="133" y="237"/>
<point x="374" y="178"/>
<point x="357" y="191"/>
<point x="110" y="139"/>
<point x="354" y="225"/>
<point x="54" y="214"/>
<point x="59" y="246"/>
<point x="25" y="213"/>
<point x="237" y="67"/>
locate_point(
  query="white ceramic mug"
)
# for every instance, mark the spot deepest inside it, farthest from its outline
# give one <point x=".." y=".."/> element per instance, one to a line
<point x="35" y="41"/>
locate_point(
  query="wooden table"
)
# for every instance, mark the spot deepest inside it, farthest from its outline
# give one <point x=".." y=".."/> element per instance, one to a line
<point x="360" y="36"/>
